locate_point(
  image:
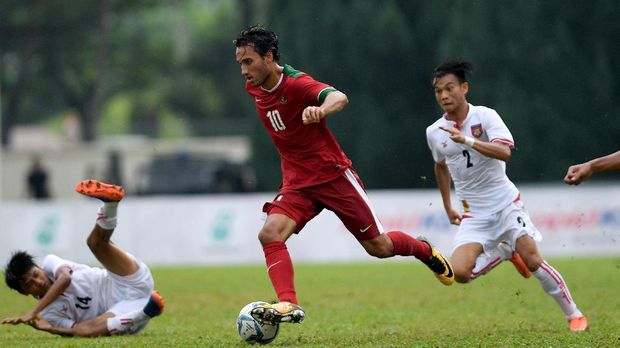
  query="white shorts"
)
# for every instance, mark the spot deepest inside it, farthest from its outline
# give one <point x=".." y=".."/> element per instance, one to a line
<point x="117" y="289"/>
<point x="506" y="225"/>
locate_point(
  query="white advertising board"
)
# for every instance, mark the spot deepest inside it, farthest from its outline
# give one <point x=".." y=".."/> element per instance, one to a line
<point x="222" y="229"/>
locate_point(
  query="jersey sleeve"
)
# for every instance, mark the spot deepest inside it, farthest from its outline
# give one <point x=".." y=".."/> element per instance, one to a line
<point x="496" y="129"/>
<point x="437" y="156"/>
<point x="313" y="91"/>
<point x="51" y="264"/>
<point x="57" y="314"/>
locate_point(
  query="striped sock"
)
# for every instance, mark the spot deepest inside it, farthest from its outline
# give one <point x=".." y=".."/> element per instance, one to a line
<point x="553" y="283"/>
<point x="106" y="218"/>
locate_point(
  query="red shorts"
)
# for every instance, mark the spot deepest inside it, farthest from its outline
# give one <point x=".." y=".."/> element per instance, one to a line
<point x="345" y="196"/>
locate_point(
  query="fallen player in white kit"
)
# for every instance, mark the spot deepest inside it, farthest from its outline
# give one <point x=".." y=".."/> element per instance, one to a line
<point x="79" y="300"/>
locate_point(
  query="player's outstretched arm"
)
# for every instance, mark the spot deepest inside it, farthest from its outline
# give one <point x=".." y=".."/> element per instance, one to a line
<point x="63" y="280"/>
<point x="579" y="173"/>
<point x="88" y="328"/>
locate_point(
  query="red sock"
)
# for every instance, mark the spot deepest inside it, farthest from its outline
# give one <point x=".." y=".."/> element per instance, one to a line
<point x="405" y="245"/>
<point x="280" y="269"/>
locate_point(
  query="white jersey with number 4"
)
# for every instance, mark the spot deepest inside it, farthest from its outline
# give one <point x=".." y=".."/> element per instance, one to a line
<point x="480" y="182"/>
<point x="81" y="300"/>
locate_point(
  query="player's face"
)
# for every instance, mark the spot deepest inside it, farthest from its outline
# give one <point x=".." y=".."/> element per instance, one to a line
<point x="36" y="282"/>
<point x="253" y="67"/>
<point x="450" y="92"/>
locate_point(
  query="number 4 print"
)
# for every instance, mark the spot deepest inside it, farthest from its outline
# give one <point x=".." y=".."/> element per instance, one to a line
<point x="84" y="301"/>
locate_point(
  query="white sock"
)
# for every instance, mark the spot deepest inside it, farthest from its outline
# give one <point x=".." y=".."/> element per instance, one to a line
<point x="489" y="260"/>
<point x="126" y="323"/>
<point x="553" y="283"/>
<point x="106" y="218"/>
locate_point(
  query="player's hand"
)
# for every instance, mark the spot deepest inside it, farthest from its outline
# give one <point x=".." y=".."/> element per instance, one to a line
<point x="454" y="216"/>
<point x="455" y="134"/>
<point x="26" y="318"/>
<point x="312" y="114"/>
<point x="40" y="324"/>
<point x="12" y="321"/>
<point x="578" y="173"/>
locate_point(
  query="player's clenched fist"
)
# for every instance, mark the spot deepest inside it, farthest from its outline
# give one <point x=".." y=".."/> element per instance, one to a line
<point x="578" y="173"/>
<point x="312" y="114"/>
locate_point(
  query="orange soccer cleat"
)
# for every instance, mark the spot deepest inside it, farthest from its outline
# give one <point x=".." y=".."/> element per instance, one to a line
<point x="517" y="261"/>
<point x="577" y="324"/>
<point x="97" y="189"/>
<point x="155" y="306"/>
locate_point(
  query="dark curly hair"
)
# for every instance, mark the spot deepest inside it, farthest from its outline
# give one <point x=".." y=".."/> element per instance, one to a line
<point x="261" y="38"/>
<point x="461" y="69"/>
<point x="20" y="263"/>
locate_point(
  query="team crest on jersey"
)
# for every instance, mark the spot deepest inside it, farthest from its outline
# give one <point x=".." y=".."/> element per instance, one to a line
<point x="283" y="100"/>
<point x="476" y="130"/>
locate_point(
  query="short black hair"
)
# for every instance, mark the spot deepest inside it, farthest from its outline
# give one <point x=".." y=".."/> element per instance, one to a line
<point x="20" y="263"/>
<point x="461" y="69"/>
<point x="261" y="38"/>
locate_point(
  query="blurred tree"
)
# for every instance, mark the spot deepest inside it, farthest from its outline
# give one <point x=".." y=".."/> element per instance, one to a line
<point x="550" y="69"/>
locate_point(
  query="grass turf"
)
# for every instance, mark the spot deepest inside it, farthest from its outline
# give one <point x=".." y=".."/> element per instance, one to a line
<point x="376" y="304"/>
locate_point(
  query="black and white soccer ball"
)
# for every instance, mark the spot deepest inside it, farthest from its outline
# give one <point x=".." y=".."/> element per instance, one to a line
<point x="252" y="331"/>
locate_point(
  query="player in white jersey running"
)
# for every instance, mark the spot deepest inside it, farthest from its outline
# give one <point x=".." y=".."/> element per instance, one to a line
<point x="78" y="300"/>
<point x="470" y="145"/>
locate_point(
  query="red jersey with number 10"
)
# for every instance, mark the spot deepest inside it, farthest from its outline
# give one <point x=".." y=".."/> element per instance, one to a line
<point x="310" y="154"/>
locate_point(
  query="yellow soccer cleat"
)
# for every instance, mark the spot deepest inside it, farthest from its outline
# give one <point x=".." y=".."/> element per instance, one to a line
<point x="439" y="265"/>
<point x="281" y="312"/>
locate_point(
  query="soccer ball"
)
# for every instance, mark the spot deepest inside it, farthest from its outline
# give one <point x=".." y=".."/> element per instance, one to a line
<point x="252" y="331"/>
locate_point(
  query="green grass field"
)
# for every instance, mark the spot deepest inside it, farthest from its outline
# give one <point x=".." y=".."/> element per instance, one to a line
<point x="377" y="304"/>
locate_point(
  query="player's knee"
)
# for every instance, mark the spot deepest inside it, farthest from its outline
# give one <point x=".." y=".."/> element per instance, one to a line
<point x="532" y="261"/>
<point x="462" y="277"/>
<point x="461" y="274"/>
<point x="270" y="233"/>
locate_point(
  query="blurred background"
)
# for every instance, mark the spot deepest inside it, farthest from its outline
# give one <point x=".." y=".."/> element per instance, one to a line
<point x="148" y="94"/>
<point x="141" y="92"/>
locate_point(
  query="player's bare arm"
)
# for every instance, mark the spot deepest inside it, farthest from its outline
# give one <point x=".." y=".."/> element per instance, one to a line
<point x="63" y="280"/>
<point x="88" y="328"/>
<point x="580" y="172"/>
<point x="442" y="175"/>
<point x="495" y="150"/>
<point x="334" y="102"/>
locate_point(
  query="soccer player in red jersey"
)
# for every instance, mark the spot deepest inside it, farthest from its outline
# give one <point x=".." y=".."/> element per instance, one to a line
<point x="316" y="173"/>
